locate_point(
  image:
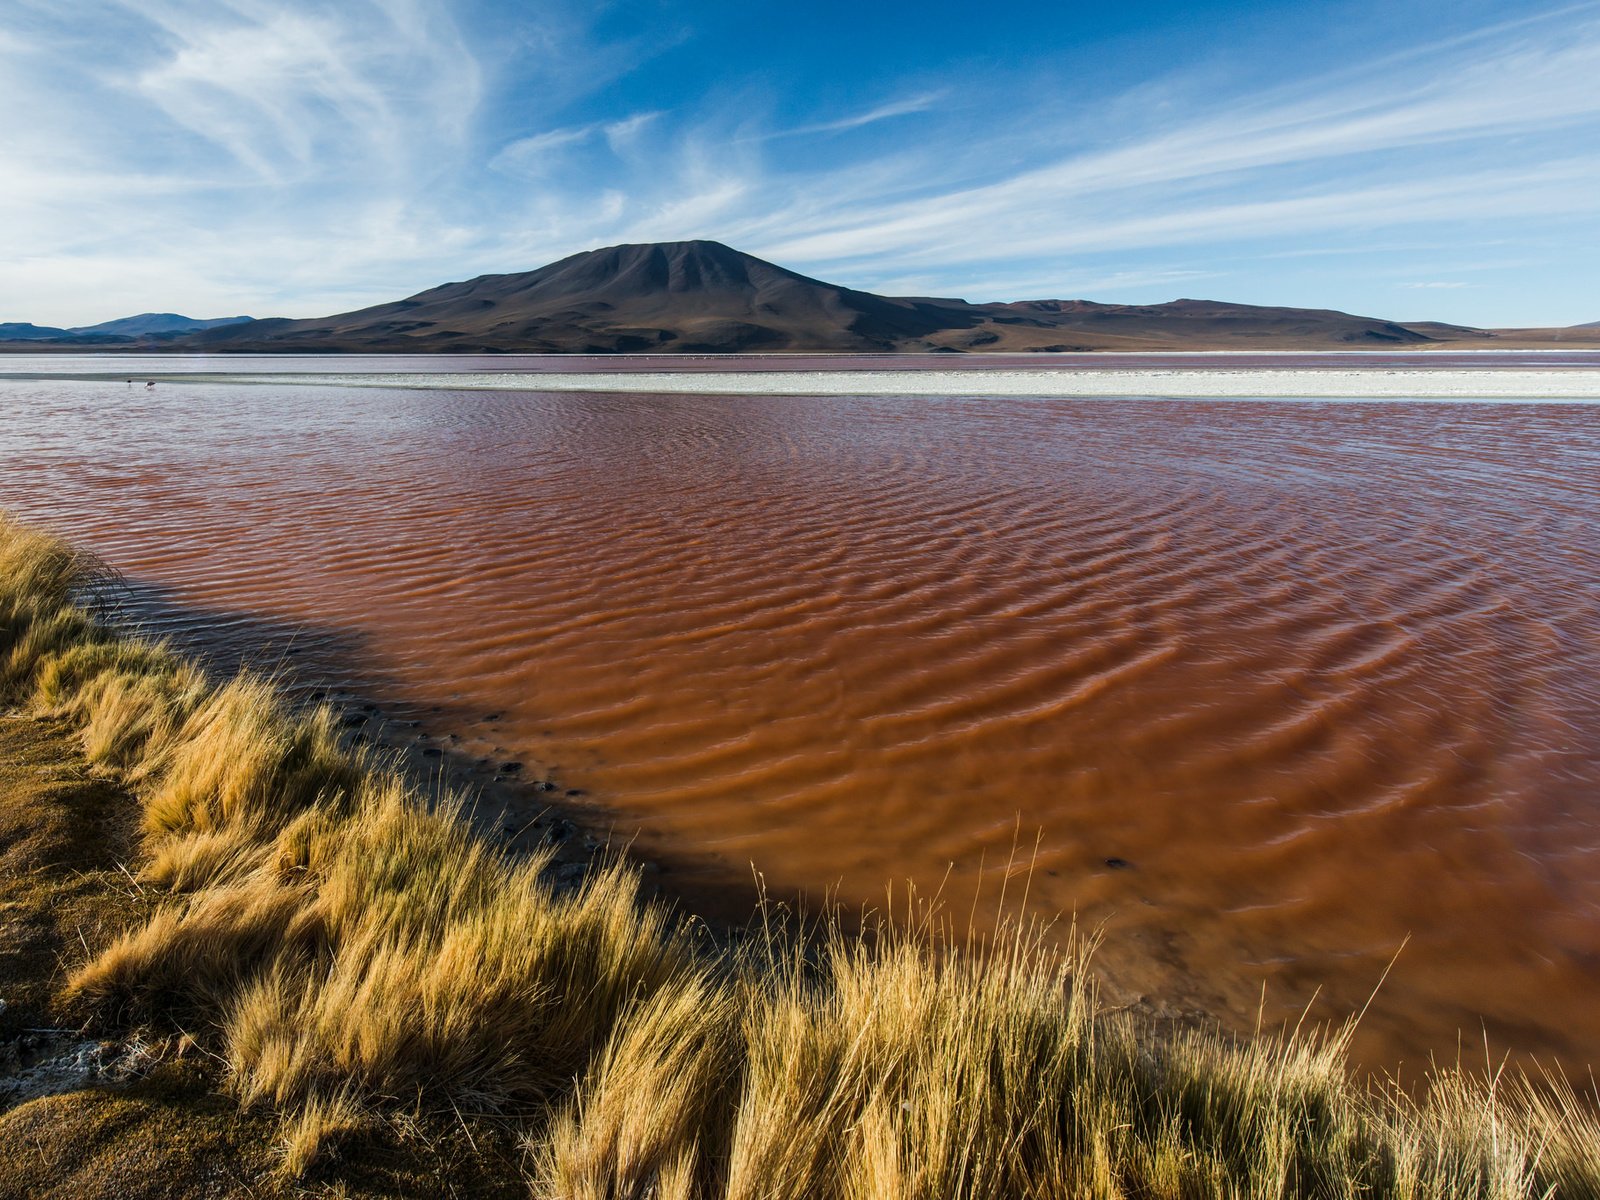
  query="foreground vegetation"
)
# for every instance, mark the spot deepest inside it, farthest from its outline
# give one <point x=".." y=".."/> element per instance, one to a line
<point x="349" y="958"/>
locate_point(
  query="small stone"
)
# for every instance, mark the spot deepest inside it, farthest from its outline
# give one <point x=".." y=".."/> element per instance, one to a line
<point x="510" y="768"/>
<point x="1119" y="864"/>
<point x="576" y="792"/>
<point x="493" y="716"/>
<point x="544" y="785"/>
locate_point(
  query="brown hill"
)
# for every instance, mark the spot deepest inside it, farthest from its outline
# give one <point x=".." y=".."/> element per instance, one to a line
<point x="1180" y="324"/>
<point x="706" y="297"/>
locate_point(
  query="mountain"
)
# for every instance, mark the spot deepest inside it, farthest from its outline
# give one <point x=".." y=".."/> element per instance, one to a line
<point x="700" y="297"/>
<point x="47" y="335"/>
<point x="162" y="328"/>
<point x="1180" y="324"/>
<point x="146" y="324"/>
<point x="22" y="331"/>
<point x="704" y="297"/>
<point x="676" y="296"/>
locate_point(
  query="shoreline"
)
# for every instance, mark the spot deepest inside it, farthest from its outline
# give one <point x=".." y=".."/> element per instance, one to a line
<point x="1377" y="384"/>
<point x="1515" y="341"/>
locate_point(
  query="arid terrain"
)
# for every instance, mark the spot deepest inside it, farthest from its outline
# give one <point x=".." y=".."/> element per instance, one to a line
<point x="703" y="297"/>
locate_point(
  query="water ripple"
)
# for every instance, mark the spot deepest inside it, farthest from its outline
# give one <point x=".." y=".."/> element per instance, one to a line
<point x="1278" y="684"/>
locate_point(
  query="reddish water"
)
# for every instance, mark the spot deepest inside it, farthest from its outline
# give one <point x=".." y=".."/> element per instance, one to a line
<point x="1277" y="685"/>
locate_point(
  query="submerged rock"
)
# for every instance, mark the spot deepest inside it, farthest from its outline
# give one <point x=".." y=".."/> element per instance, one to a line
<point x="559" y="830"/>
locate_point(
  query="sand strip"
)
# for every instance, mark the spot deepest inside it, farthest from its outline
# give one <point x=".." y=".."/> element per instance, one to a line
<point x="1567" y="386"/>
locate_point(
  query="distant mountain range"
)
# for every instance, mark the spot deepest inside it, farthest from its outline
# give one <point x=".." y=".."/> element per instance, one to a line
<point x="121" y="331"/>
<point x="704" y="297"/>
<point x="147" y="324"/>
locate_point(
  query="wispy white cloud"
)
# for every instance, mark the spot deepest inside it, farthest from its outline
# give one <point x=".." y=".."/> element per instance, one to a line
<point x="622" y="133"/>
<point x="1481" y="91"/>
<point x="903" y="107"/>
<point x="291" y="90"/>
<point x="536" y="155"/>
<point x="1491" y="130"/>
<point x="224" y="153"/>
<point x="299" y="156"/>
<point x="1024" y="280"/>
<point x="531" y="155"/>
<point x="932" y="230"/>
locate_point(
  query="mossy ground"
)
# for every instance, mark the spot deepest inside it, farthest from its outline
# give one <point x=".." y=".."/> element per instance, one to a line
<point x="64" y="837"/>
<point x="68" y="888"/>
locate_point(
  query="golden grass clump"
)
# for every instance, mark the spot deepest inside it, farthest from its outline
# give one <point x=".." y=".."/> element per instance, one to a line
<point x="439" y="967"/>
<point x="320" y="1124"/>
<point x="38" y="578"/>
<point x="653" y="1114"/>
<point x="349" y="948"/>
<point x="244" y="760"/>
<point x="918" y="1066"/>
<point x="903" y="1064"/>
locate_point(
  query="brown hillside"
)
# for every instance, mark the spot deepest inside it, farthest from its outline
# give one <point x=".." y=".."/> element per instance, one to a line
<point x="704" y="297"/>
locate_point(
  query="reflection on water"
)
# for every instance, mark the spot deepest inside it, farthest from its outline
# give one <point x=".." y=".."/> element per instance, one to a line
<point x="1278" y="685"/>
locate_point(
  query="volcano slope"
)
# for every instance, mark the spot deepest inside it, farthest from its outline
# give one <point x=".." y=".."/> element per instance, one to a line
<point x="704" y="297"/>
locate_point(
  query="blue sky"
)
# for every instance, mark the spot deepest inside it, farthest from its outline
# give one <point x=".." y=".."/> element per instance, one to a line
<point x="1409" y="158"/>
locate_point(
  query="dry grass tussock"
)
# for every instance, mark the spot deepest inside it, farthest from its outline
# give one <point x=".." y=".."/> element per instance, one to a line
<point x="349" y="951"/>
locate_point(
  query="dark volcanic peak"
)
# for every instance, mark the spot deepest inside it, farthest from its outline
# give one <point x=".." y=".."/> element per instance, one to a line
<point x="667" y="268"/>
<point x="674" y="296"/>
<point x="629" y="272"/>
